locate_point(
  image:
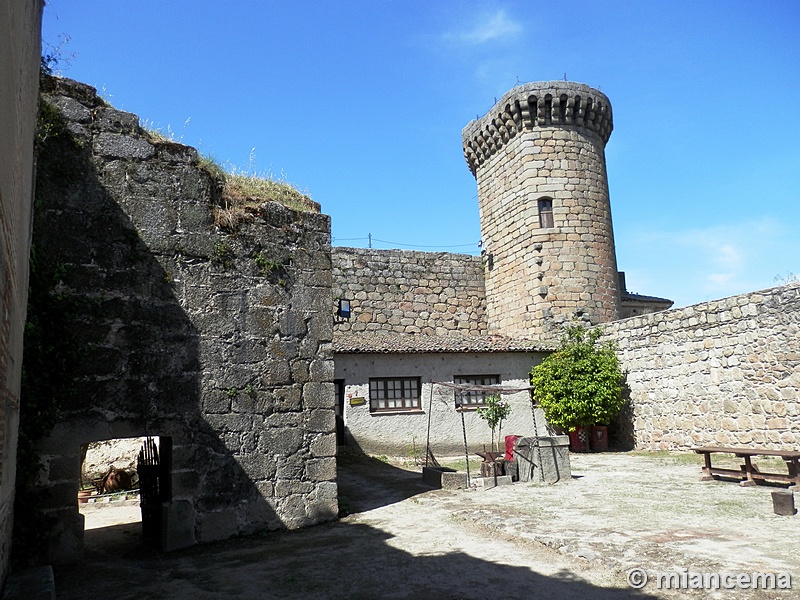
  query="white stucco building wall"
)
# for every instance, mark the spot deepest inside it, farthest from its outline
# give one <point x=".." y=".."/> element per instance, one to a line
<point x="403" y="433"/>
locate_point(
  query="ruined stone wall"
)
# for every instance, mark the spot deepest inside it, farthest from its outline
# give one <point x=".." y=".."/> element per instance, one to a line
<point x="725" y="372"/>
<point x="545" y="142"/>
<point x="403" y="291"/>
<point x="20" y="51"/>
<point x="216" y="341"/>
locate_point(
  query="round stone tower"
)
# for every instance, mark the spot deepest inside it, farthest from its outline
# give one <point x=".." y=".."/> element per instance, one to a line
<point x="539" y="159"/>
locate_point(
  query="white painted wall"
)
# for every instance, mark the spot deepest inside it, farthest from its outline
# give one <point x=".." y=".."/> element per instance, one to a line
<point x="401" y="434"/>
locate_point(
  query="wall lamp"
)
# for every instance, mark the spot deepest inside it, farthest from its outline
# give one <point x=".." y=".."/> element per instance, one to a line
<point x="343" y="312"/>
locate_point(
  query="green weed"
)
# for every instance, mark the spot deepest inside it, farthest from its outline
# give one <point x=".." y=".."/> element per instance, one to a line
<point x="223" y="255"/>
<point x="265" y="265"/>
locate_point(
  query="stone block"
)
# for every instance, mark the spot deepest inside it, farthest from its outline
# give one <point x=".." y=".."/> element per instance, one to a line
<point x="289" y="487"/>
<point x="37" y="583"/>
<point x="71" y="109"/>
<point x="322" y="510"/>
<point x="543" y="459"/>
<point x="292" y="512"/>
<point x="291" y="468"/>
<point x="323" y="469"/>
<point x="178" y="520"/>
<point x="783" y="503"/>
<point x="323" y="445"/>
<point x="257" y="466"/>
<point x="280" y="441"/>
<point x="318" y="395"/>
<point x="115" y="145"/>
<point x="218" y="525"/>
<point x="486" y="483"/>
<point x="321" y="420"/>
<point x="444" y="478"/>
<point x="115" y="121"/>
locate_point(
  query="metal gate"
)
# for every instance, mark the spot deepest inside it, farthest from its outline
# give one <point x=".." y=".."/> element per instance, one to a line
<point x="152" y="490"/>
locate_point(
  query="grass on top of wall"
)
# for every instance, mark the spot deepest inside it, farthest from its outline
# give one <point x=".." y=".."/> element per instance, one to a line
<point x="252" y="190"/>
<point x="244" y="191"/>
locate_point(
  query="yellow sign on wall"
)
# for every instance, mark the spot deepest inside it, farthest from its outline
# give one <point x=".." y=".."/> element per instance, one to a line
<point x="357" y="401"/>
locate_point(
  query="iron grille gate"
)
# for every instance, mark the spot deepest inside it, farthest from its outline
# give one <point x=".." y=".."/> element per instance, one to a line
<point x="152" y="490"/>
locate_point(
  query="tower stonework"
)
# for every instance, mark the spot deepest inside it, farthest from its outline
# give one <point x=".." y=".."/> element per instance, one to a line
<point x="539" y="160"/>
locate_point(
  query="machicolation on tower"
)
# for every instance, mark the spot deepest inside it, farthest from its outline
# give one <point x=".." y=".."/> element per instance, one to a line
<point x="538" y="104"/>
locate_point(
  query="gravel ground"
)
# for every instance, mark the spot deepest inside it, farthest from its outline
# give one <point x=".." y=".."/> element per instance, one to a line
<point x="575" y="539"/>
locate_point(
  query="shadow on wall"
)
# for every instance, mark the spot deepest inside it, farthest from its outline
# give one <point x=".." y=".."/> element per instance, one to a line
<point x="621" y="432"/>
<point x="155" y="341"/>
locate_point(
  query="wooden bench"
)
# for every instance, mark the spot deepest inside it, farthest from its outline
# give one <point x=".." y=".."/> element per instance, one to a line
<point x="748" y="473"/>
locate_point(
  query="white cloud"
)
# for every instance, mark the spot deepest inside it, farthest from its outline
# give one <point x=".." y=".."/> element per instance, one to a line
<point x="488" y="27"/>
<point x="706" y="263"/>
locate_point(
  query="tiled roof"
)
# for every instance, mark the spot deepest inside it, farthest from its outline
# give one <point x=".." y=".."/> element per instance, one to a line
<point x="388" y="343"/>
<point x="642" y="298"/>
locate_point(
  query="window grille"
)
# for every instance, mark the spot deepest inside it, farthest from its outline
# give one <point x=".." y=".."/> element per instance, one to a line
<point x="471" y="398"/>
<point x="393" y="394"/>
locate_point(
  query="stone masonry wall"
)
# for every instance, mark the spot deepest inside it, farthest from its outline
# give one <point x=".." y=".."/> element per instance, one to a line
<point x="218" y="342"/>
<point x="402" y="291"/>
<point x="545" y="141"/>
<point x="725" y="372"/>
<point x="20" y="51"/>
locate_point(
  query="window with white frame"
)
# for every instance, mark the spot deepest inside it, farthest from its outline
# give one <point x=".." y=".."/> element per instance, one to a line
<point x="394" y="394"/>
<point x="471" y="398"/>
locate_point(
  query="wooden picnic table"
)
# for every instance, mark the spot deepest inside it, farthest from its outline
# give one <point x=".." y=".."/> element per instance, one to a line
<point x="748" y="473"/>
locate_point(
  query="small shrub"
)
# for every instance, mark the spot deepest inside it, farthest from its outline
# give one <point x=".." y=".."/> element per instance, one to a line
<point x="265" y="265"/>
<point x="494" y="412"/>
<point x="223" y="255"/>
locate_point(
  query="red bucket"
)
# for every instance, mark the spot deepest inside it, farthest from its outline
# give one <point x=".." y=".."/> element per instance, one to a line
<point x="510" y="441"/>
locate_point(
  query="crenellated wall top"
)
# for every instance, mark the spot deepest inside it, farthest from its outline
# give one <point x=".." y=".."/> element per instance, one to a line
<point x="533" y="105"/>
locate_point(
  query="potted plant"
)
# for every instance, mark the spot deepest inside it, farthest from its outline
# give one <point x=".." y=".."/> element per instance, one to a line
<point x="579" y="386"/>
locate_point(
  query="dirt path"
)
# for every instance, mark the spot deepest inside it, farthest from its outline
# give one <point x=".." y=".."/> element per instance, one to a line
<point x="403" y="540"/>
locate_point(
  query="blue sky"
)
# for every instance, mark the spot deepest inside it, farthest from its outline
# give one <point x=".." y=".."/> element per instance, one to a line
<point x="361" y="105"/>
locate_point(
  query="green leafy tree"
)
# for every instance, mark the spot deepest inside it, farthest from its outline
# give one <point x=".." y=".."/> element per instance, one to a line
<point x="494" y="411"/>
<point x="580" y="384"/>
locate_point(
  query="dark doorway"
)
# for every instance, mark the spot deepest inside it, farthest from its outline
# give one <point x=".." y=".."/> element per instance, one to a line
<point x="154" y="466"/>
<point x="341" y="438"/>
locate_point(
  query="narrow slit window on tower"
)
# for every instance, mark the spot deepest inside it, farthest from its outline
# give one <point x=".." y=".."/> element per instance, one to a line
<point x="545" y="213"/>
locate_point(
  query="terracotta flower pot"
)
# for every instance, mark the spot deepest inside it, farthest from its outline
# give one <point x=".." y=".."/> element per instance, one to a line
<point x="579" y="439"/>
<point x="598" y="440"/>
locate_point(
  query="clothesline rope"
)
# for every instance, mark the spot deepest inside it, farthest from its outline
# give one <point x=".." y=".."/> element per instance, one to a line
<point x="474" y="387"/>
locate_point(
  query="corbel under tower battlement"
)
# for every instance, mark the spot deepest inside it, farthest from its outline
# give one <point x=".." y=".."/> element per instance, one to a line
<point x="533" y="105"/>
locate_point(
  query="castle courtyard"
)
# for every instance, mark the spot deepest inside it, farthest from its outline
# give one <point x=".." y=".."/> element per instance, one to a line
<point x="578" y="539"/>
